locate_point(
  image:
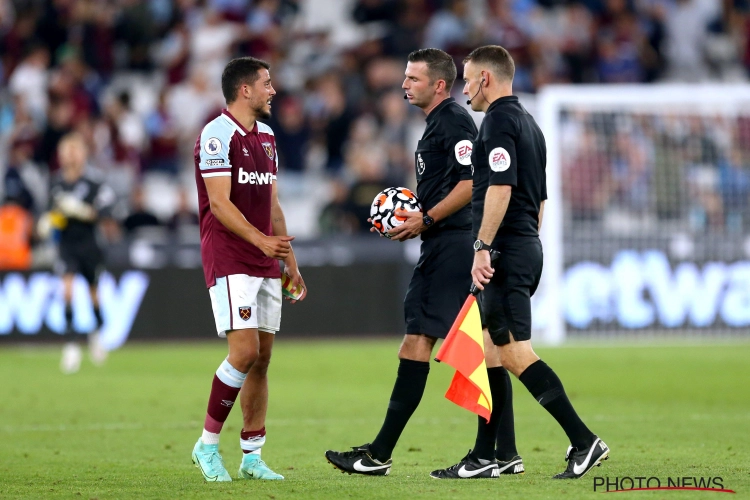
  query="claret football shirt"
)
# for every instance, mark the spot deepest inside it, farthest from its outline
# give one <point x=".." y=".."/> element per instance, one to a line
<point x="226" y="148"/>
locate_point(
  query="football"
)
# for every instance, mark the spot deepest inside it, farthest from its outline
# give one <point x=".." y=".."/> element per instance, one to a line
<point x="387" y="202"/>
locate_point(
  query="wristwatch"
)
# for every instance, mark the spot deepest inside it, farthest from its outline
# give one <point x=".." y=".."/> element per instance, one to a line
<point x="480" y="245"/>
<point x="427" y="220"/>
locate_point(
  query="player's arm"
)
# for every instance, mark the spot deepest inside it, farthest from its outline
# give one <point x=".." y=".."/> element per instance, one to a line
<point x="500" y="143"/>
<point x="226" y="212"/>
<point x="278" y="223"/>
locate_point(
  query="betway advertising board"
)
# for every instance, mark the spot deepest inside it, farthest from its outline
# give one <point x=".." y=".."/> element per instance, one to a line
<point x="634" y="290"/>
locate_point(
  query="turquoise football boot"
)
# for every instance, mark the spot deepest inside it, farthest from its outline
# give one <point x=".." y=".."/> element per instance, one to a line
<point x="206" y="457"/>
<point x="252" y="467"/>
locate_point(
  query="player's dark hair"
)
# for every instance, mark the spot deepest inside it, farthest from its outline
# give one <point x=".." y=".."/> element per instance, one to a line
<point x="440" y="65"/>
<point x="496" y="58"/>
<point x="243" y="70"/>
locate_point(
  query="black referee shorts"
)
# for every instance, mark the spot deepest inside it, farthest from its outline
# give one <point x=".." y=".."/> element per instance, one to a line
<point x="440" y="284"/>
<point x="84" y="259"/>
<point x="506" y="299"/>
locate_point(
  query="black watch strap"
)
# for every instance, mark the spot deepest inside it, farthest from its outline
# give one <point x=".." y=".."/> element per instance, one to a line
<point x="480" y="245"/>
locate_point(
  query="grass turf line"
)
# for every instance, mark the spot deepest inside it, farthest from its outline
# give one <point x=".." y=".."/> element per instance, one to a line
<point x="126" y="430"/>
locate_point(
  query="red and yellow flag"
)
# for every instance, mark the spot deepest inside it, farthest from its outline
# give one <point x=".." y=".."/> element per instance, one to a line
<point x="463" y="349"/>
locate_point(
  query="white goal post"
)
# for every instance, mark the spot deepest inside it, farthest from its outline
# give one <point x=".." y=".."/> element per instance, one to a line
<point x="647" y="222"/>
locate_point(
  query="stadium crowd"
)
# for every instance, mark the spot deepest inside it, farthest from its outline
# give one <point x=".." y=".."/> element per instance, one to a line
<point x="138" y="79"/>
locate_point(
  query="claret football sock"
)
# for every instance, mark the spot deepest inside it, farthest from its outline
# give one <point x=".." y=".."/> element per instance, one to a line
<point x="548" y="390"/>
<point x="226" y="385"/>
<point x="406" y="395"/>
<point x="252" y="441"/>
<point x="487" y="432"/>
<point x="506" y="430"/>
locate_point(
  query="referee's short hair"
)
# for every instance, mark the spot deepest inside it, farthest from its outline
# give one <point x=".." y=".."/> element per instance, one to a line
<point x="496" y="58"/>
<point x="242" y="70"/>
<point x="440" y="65"/>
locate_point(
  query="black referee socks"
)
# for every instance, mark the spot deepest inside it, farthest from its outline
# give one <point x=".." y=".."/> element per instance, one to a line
<point x="500" y="427"/>
<point x="548" y="390"/>
<point x="406" y="395"/>
<point x="506" y="430"/>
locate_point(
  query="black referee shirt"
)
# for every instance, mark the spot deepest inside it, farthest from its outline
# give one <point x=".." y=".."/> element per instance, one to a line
<point x="510" y="150"/>
<point x="443" y="159"/>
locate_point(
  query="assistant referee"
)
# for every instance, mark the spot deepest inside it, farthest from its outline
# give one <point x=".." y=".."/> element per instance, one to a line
<point x="509" y="158"/>
<point x="441" y="280"/>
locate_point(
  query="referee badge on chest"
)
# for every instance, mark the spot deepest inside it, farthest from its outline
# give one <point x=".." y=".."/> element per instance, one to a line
<point x="420" y="164"/>
<point x="245" y="312"/>
<point x="268" y="149"/>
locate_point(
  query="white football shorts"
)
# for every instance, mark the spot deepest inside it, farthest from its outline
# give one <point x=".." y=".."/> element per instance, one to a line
<point x="240" y="301"/>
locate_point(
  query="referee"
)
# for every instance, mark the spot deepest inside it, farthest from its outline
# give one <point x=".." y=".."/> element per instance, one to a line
<point x="441" y="278"/>
<point x="509" y="190"/>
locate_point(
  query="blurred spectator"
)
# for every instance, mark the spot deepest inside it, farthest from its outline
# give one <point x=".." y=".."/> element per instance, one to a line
<point x="135" y="30"/>
<point x="139" y="215"/>
<point x="163" y="153"/>
<point x="394" y="133"/>
<point x="185" y="216"/>
<point x="587" y="180"/>
<point x="210" y="45"/>
<point x="29" y="80"/>
<point x="59" y="123"/>
<point x="173" y="52"/>
<point x="450" y="28"/>
<point x="686" y="27"/>
<point x="292" y="133"/>
<point x="23" y="181"/>
<point x="632" y="170"/>
<point x="734" y="183"/>
<point x="336" y="118"/>
<point x="189" y="104"/>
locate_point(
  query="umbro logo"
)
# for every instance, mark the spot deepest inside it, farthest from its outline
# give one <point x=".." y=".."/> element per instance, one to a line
<point x="227" y="403"/>
<point x="245" y="151"/>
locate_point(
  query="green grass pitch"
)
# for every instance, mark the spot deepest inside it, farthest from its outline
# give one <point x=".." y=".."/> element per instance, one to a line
<point x="126" y="430"/>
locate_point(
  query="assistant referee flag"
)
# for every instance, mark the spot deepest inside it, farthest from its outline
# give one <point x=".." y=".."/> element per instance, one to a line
<point x="463" y="349"/>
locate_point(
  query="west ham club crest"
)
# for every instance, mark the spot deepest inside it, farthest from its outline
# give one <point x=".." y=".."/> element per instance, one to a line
<point x="268" y="149"/>
<point x="245" y="312"/>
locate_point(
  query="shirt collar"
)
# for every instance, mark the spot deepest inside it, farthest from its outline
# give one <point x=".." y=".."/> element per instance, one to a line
<point x="436" y="110"/>
<point x="243" y="131"/>
<point x="502" y="100"/>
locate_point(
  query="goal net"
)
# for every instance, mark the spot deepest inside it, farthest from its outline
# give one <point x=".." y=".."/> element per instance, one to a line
<point x="647" y="226"/>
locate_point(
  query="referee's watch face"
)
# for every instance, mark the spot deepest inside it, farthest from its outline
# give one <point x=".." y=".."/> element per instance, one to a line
<point x="417" y="86"/>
